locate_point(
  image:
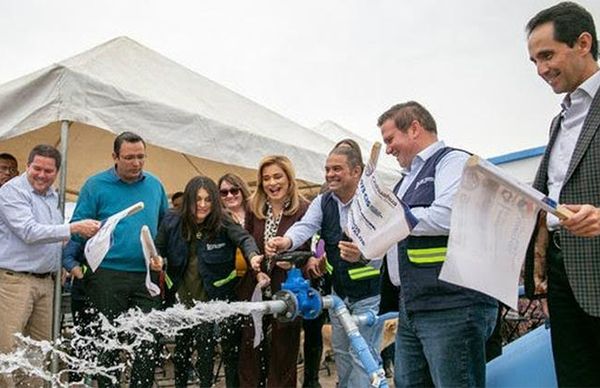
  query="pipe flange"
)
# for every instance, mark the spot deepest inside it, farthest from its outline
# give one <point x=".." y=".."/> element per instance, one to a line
<point x="291" y="304"/>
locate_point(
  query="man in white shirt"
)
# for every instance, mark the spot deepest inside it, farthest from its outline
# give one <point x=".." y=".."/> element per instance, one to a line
<point x="563" y="45"/>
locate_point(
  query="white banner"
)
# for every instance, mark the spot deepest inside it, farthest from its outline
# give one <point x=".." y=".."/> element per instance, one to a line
<point x="150" y="251"/>
<point x="493" y="217"/>
<point x="377" y="218"/>
<point x="98" y="246"/>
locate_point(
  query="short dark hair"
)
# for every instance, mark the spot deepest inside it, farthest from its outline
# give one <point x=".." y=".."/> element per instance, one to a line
<point x="128" y="137"/>
<point x="176" y="195"/>
<point x="7" y="156"/>
<point x="350" y="149"/>
<point x="46" y="151"/>
<point x="404" y="114"/>
<point x="570" y="20"/>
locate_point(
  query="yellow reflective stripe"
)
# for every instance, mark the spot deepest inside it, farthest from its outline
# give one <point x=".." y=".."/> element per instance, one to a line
<point x="229" y="278"/>
<point x="363" y="272"/>
<point x="328" y="267"/>
<point x="168" y="281"/>
<point x="427" y="255"/>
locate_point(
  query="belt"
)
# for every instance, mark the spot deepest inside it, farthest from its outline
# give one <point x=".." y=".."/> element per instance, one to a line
<point x="555" y="238"/>
<point x="34" y="274"/>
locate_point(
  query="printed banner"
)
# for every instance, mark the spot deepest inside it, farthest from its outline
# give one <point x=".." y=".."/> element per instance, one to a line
<point x="377" y="218"/>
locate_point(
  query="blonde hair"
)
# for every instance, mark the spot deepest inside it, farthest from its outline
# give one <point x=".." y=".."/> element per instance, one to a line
<point x="258" y="201"/>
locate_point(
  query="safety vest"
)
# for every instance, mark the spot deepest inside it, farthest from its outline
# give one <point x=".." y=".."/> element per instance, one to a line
<point x="353" y="280"/>
<point x="421" y="257"/>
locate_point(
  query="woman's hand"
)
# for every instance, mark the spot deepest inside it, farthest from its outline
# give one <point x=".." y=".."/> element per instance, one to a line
<point x="263" y="279"/>
<point x="156" y="263"/>
<point x="77" y="272"/>
<point x="255" y="262"/>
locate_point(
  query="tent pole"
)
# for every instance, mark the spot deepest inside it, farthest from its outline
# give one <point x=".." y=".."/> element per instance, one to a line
<point x="56" y="317"/>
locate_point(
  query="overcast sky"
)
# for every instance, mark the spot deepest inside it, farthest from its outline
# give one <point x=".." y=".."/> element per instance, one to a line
<point x="311" y="61"/>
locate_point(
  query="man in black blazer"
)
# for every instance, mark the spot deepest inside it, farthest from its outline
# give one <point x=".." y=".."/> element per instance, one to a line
<point x="565" y="256"/>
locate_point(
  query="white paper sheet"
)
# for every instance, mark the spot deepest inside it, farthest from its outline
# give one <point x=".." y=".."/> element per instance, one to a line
<point x="377" y="219"/>
<point x="257" y="316"/>
<point x="98" y="246"/>
<point x="492" y="222"/>
<point x="149" y="251"/>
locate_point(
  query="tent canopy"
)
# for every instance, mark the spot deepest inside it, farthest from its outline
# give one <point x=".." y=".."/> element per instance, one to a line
<point x="192" y="124"/>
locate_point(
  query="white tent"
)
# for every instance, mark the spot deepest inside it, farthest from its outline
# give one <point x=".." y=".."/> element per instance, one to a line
<point x="192" y="124"/>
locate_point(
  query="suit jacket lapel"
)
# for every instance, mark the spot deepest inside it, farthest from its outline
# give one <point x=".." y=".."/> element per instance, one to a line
<point x="590" y="126"/>
<point x="541" y="178"/>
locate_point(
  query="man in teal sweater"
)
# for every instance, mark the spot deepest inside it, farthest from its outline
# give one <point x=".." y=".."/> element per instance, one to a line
<point x="119" y="283"/>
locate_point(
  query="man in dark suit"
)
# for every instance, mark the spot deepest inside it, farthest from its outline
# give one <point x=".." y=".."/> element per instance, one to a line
<point x="565" y="255"/>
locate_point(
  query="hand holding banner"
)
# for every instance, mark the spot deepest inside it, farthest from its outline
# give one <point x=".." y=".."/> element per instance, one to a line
<point x="98" y="246"/>
<point x="377" y="218"/>
<point x="493" y="217"/>
<point x="149" y="252"/>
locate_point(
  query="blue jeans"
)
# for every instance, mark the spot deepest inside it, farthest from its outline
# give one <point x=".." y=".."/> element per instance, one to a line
<point x="349" y="368"/>
<point x="443" y="348"/>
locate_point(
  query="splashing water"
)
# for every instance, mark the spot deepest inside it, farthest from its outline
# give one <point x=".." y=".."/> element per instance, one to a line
<point x="125" y="333"/>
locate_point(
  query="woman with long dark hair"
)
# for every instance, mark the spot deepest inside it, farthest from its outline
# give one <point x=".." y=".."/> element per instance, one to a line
<point x="200" y="242"/>
<point x="276" y="205"/>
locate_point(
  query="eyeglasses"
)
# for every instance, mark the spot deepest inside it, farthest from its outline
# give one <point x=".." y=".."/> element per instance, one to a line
<point x="131" y="158"/>
<point x="234" y="191"/>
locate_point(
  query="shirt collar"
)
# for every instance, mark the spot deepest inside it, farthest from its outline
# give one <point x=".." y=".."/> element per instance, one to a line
<point x="340" y="201"/>
<point x="113" y="173"/>
<point x="425" y="154"/>
<point x="590" y="87"/>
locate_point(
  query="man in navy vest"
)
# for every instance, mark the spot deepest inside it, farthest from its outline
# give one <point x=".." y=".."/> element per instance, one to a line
<point x="442" y="328"/>
<point x="354" y="279"/>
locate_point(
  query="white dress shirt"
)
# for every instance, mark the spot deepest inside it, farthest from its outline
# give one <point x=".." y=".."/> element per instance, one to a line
<point x="434" y="220"/>
<point x="575" y="109"/>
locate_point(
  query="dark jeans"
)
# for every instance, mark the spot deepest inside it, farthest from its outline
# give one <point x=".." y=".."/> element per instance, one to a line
<point x="493" y="345"/>
<point x="203" y="339"/>
<point x="575" y="334"/>
<point x="443" y="348"/>
<point x="113" y="293"/>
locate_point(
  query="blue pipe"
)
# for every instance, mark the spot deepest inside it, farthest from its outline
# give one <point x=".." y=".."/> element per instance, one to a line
<point x="369" y="318"/>
<point x="357" y="342"/>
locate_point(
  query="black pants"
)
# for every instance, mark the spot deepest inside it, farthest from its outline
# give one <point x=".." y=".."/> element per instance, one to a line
<point x="112" y="293"/>
<point x="84" y="318"/>
<point x="203" y="339"/>
<point x="313" y="349"/>
<point x="575" y="334"/>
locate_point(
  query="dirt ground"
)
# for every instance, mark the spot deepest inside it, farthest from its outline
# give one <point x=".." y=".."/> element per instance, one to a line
<point x="327" y="377"/>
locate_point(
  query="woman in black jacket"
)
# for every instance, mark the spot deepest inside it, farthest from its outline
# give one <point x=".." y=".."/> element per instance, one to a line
<point x="199" y="243"/>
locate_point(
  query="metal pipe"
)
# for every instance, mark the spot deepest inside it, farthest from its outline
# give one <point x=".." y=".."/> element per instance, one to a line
<point x="270" y="307"/>
<point x="56" y="317"/>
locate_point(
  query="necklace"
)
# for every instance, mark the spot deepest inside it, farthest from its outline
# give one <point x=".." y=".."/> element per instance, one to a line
<point x="199" y="235"/>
